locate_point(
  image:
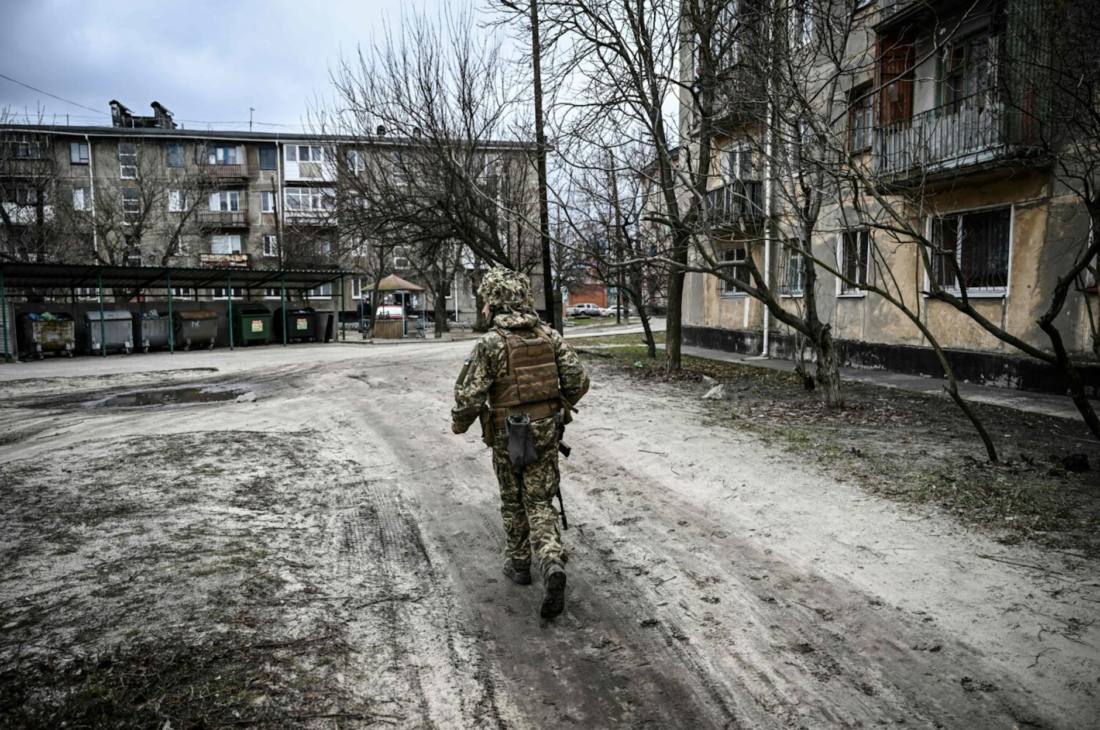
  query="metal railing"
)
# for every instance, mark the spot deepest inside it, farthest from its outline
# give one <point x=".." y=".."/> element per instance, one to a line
<point x="223" y="217"/>
<point x="224" y="172"/>
<point x="735" y="203"/>
<point x="964" y="132"/>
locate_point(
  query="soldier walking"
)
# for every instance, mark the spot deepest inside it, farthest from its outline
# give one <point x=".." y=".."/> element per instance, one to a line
<point x="522" y="381"/>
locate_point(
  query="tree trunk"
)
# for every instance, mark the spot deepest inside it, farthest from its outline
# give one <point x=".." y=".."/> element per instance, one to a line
<point x="828" y="368"/>
<point x="675" y="310"/>
<point x="439" y="308"/>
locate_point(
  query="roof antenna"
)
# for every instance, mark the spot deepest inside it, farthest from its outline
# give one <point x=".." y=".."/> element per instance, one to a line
<point x="250" y="110"/>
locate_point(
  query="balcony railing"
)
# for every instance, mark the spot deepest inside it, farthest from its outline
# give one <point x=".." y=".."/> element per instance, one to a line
<point x="223" y="218"/>
<point x="734" y="204"/>
<point x="965" y="132"/>
<point x="225" y="260"/>
<point x="225" y="172"/>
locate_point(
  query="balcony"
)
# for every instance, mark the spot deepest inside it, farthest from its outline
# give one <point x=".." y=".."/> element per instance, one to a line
<point x="964" y="133"/>
<point x="222" y="218"/>
<point x="734" y="205"/>
<point x="224" y="172"/>
<point x="225" y="260"/>
<point x="310" y="218"/>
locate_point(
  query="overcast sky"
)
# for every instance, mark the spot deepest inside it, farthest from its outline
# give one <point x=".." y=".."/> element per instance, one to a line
<point x="207" y="61"/>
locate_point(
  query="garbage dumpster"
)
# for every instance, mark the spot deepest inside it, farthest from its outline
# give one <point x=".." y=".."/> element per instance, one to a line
<point x="253" y="324"/>
<point x="150" y="330"/>
<point x="299" y="324"/>
<point x="195" y="329"/>
<point x="116" y="329"/>
<point x="323" y="323"/>
<point x="48" y="332"/>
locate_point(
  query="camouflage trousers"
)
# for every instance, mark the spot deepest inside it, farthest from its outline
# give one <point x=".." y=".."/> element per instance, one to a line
<point x="526" y="495"/>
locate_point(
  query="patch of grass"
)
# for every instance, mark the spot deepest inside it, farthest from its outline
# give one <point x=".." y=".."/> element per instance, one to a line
<point x="632" y="339"/>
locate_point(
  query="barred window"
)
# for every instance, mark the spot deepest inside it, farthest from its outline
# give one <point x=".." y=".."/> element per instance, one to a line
<point x="974" y="246"/>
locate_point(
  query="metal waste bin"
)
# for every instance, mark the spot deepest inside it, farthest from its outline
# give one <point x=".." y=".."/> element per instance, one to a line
<point x="323" y="322"/>
<point x="48" y="332"/>
<point x="253" y="324"/>
<point x="150" y="330"/>
<point x="195" y="329"/>
<point x="299" y="324"/>
<point x="115" y="328"/>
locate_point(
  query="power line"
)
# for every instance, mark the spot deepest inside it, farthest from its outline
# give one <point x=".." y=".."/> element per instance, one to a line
<point x="55" y="96"/>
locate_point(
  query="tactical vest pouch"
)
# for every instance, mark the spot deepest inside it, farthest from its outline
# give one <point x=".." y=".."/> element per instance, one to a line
<point x="485" y="418"/>
<point x="537" y="382"/>
<point x="521" y="442"/>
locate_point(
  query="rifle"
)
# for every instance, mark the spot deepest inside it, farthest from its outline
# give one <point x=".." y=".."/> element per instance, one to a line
<point x="565" y="450"/>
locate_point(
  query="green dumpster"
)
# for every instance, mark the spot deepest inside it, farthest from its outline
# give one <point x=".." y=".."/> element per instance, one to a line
<point x="251" y="324"/>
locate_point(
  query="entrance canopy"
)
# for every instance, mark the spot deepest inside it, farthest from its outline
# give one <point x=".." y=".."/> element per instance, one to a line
<point x="76" y="276"/>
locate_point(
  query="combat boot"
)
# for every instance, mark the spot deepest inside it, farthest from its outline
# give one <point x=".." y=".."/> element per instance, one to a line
<point x="522" y="577"/>
<point x="553" y="595"/>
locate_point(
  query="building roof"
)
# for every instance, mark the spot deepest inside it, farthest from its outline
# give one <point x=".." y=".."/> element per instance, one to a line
<point x="75" y="276"/>
<point x="208" y="134"/>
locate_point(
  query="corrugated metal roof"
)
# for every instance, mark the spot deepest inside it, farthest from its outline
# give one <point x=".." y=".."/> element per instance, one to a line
<point x="75" y="276"/>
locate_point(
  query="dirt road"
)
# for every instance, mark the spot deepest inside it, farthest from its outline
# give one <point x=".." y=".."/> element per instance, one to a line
<point x="714" y="581"/>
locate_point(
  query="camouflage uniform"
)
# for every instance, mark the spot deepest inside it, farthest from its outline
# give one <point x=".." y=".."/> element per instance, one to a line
<point x="526" y="493"/>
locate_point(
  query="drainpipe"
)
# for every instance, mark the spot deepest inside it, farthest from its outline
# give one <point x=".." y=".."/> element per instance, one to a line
<point x="91" y="174"/>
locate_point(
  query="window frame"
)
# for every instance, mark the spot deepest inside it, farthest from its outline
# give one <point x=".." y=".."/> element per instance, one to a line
<point x="865" y="98"/>
<point x="274" y="153"/>
<point x="131" y="195"/>
<point x="83" y="194"/>
<point x="725" y="288"/>
<point x="862" y="236"/>
<point x="270" y="197"/>
<point x="785" y="290"/>
<point x="273" y="240"/>
<point x="177" y="200"/>
<point x="75" y="149"/>
<point x="229" y="238"/>
<point x="123" y="166"/>
<point x="974" y="293"/>
<point x="173" y="155"/>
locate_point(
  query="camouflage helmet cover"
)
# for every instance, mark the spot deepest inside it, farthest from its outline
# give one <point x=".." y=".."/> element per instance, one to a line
<point x="505" y="289"/>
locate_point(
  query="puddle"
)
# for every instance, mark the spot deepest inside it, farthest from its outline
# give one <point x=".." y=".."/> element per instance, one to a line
<point x="168" y="397"/>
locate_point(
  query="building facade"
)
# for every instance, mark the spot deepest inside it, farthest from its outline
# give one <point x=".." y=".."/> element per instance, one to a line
<point x="925" y="150"/>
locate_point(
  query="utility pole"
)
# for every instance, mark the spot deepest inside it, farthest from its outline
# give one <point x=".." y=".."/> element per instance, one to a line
<point x="553" y="312"/>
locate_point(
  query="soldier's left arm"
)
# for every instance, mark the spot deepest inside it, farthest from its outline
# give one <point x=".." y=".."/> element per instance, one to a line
<point x="472" y="389"/>
<point x="572" y="377"/>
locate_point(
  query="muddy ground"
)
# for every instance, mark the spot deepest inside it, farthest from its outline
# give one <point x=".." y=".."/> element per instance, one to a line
<point x="327" y="556"/>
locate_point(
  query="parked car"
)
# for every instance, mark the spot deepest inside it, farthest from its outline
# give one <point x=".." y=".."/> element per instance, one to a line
<point x="611" y="311"/>
<point x="584" y="310"/>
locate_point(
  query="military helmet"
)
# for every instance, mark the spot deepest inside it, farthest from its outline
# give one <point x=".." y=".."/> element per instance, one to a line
<point x="505" y="289"/>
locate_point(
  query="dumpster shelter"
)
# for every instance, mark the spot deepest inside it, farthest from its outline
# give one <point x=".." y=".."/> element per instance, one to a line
<point x="61" y="282"/>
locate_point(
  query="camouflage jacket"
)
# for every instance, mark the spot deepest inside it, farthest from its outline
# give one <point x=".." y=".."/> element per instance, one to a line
<point x="489" y="360"/>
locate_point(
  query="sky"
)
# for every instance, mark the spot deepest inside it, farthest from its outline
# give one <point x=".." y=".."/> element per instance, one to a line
<point x="207" y="62"/>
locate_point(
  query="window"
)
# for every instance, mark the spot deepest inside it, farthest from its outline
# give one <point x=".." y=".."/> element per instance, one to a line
<point x="267" y="202"/>
<point x="801" y="22"/>
<point x="177" y="247"/>
<point x="219" y="292"/>
<point x="977" y="244"/>
<point x="357" y="161"/>
<point x="308" y="200"/>
<point x="325" y="290"/>
<point x="968" y="72"/>
<point x="78" y="153"/>
<point x="737" y="163"/>
<point x="737" y="255"/>
<point x="225" y="244"/>
<point x="223" y="155"/>
<point x="852" y="261"/>
<point x="794" y="271"/>
<point x="182" y="291"/>
<point x="174" y="154"/>
<point x="268" y="159"/>
<point x="131" y="203"/>
<point x="176" y="201"/>
<point x="357" y="288"/>
<point x="304" y="153"/>
<point x="400" y="168"/>
<point x="896" y="74"/>
<point x="26" y="195"/>
<point x="25" y="148"/>
<point x="226" y="200"/>
<point x="271" y="246"/>
<point x="401" y="258"/>
<point x="860" y="119"/>
<point x="81" y="198"/>
<point x="133" y="251"/>
<point x="127" y="160"/>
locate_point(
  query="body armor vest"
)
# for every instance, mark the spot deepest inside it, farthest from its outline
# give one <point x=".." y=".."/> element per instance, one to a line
<point x="531" y="383"/>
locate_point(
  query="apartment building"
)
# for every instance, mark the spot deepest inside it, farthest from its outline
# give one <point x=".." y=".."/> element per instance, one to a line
<point x="938" y="173"/>
<point x="147" y="192"/>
